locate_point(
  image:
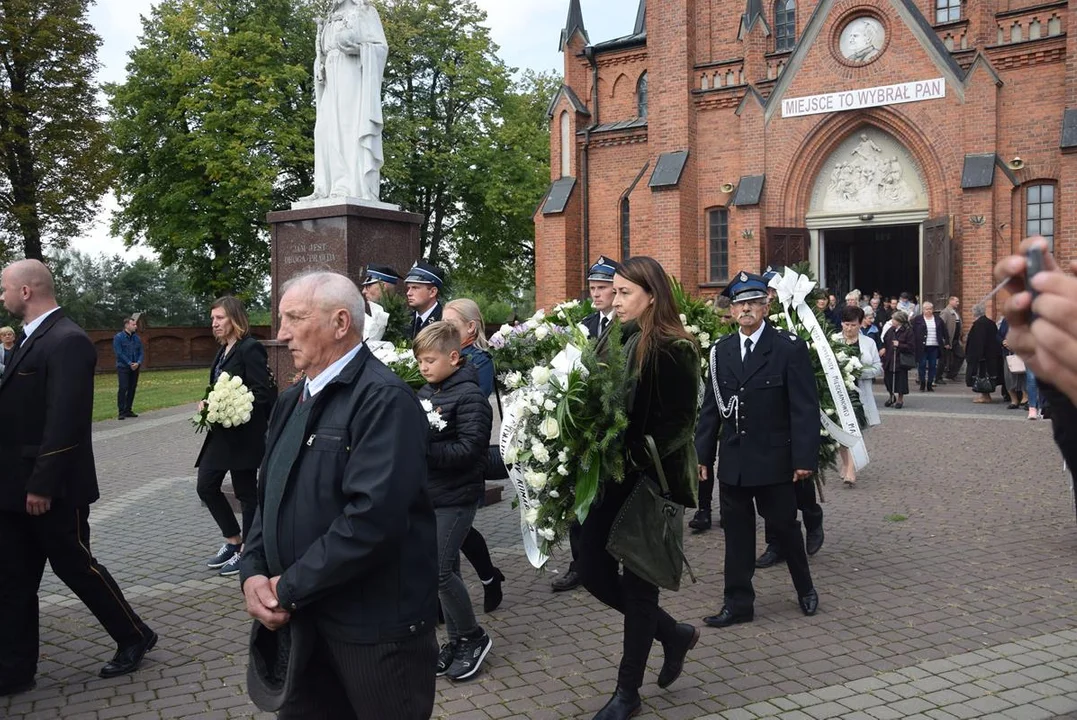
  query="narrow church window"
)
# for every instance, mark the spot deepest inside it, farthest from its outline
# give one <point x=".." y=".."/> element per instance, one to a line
<point x="947" y="10"/>
<point x="718" y="244"/>
<point x="626" y="222"/>
<point x="641" y="95"/>
<point x="785" y="25"/>
<point x="1040" y="212"/>
<point x="566" y="146"/>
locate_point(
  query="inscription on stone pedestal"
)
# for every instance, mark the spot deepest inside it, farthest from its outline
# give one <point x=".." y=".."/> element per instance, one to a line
<point x="307" y="254"/>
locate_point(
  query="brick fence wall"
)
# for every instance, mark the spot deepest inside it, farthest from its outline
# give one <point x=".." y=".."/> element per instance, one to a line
<point x="167" y="347"/>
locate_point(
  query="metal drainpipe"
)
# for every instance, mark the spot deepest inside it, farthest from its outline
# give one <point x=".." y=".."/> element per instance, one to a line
<point x="585" y="170"/>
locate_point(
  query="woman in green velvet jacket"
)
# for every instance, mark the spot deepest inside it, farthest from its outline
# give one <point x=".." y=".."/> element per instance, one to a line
<point x="661" y="400"/>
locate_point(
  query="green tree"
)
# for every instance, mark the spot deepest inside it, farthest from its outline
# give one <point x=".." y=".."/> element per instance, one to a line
<point x="51" y="141"/>
<point x="444" y="87"/>
<point x="213" y="129"/>
<point x="510" y="173"/>
<point x="99" y="291"/>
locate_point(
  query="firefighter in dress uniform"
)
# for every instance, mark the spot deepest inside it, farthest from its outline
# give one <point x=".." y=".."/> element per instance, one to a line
<point x="760" y="421"/>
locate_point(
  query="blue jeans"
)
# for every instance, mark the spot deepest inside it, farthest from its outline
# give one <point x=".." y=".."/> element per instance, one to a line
<point x="453" y="525"/>
<point x="1032" y="391"/>
<point x="929" y="361"/>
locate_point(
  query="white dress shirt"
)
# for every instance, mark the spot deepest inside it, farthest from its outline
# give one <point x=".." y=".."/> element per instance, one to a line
<point x="29" y="327"/>
<point x="316" y="384"/>
<point x="754" y="337"/>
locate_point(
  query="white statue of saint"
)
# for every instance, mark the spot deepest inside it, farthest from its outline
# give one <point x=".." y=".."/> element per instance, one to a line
<point x="348" y="69"/>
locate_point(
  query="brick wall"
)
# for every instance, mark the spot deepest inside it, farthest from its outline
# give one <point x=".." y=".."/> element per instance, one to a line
<point x="167" y="347"/>
<point x="1008" y="98"/>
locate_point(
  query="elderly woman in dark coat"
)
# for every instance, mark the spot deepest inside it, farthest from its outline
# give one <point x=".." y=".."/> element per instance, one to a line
<point x="236" y="450"/>
<point x="898" y="340"/>
<point x="983" y="353"/>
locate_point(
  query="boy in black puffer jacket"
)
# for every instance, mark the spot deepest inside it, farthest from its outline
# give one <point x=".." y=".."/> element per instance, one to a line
<point x="460" y="419"/>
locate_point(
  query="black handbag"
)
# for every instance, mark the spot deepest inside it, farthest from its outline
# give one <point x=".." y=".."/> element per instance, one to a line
<point x="983" y="383"/>
<point x="906" y="361"/>
<point x="647" y="536"/>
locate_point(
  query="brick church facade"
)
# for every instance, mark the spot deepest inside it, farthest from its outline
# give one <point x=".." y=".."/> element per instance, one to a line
<point x="895" y="144"/>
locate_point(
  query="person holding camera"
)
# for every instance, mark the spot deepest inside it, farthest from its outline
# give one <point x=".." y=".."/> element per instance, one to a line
<point x="1043" y="333"/>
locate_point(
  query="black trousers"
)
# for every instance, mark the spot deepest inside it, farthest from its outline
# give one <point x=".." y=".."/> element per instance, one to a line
<point x="808" y="505"/>
<point x="125" y="396"/>
<point x="627" y="593"/>
<point x="477" y="553"/>
<point x="245" y="485"/>
<point x="345" y="681"/>
<point x="575" y="530"/>
<point x="778" y="506"/>
<point x="61" y="536"/>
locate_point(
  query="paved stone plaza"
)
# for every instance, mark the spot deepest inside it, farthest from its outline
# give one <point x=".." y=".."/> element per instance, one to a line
<point x="948" y="589"/>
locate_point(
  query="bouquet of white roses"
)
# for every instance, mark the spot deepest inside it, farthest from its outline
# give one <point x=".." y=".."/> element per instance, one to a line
<point x="534" y="342"/>
<point x="401" y="360"/>
<point x="228" y="403"/>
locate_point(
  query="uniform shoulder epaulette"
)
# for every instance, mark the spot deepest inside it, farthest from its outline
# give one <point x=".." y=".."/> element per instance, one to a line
<point x="790" y="336"/>
<point x="726" y="338"/>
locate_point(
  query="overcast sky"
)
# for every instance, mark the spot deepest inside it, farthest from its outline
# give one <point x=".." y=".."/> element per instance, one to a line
<point x="527" y="32"/>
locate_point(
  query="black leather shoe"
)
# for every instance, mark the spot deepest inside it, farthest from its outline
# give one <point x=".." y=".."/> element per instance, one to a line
<point x="770" y="557"/>
<point x="623" y="704"/>
<point x="127" y="659"/>
<point x="814" y="540"/>
<point x="809" y="603"/>
<point x="15" y="688"/>
<point x="132" y="414"/>
<point x="701" y="522"/>
<point x="727" y="617"/>
<point x="889" y="402"/>
<point x="492" y="594"/>
<point x="686" y="638"/>
<point x="568" y="581"/>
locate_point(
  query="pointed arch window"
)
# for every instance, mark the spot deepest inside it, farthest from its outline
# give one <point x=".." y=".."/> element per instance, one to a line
<point x="641" y="96"/>
<point x="566" y="145"/>
<point x="785" y="25"/>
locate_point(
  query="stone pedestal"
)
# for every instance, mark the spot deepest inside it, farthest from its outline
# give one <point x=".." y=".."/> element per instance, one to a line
<point x="340" y="238"/>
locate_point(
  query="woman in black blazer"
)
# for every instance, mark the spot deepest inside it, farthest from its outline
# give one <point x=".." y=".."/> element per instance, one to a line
<point x="237" y="450"/>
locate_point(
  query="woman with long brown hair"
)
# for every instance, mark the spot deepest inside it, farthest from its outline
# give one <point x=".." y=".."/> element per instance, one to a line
<point x="663" y="367"/>
<point x="236" y="450"/>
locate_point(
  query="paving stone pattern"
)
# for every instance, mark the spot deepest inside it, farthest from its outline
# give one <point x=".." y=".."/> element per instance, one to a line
<point x="966" y="608"/>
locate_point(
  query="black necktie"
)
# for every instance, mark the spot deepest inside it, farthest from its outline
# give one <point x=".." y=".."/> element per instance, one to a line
<point x="747" y="350"/>
<point x="418" y="324"/>
<point x="603" y="324"/>
<point x="20" y="338"/>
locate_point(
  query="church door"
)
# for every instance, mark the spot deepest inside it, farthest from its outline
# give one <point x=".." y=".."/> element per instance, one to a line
<point x="785" y="247"/>
<point x="938" y="261"/>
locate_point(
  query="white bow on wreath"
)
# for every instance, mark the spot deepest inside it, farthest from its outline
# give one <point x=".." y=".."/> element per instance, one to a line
<point x="793" y="289"/>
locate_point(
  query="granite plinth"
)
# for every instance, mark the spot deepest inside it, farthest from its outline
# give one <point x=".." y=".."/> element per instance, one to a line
<point x="342" y="238"/>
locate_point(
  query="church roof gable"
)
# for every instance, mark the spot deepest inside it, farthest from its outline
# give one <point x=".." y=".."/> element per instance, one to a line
<point x="912" y="20"/>
<point x="573" y="25"/>
<point x="573" y="99"/>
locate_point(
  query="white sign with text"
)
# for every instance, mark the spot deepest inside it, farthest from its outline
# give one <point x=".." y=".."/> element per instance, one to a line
<point x="867" y="97"/>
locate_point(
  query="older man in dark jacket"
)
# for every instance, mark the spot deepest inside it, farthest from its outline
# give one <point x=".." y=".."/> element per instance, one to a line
<point x="344" y="540"/>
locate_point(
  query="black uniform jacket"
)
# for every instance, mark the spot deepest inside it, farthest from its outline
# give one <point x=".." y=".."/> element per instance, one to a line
<point x="356" y="529"/>
<point x="778" y="429"/>
<point x="242" y="447"/>
<point x="456" y="458"/>
<point x="46" y="407"/>
<point x="435" y="315"/>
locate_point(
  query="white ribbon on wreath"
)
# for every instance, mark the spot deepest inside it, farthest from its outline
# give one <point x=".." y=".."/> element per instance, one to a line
<point x="793" y="288"/>
<point x="565" y="362"/>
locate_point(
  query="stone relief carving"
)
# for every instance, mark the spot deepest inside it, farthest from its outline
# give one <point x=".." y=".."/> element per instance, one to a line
<point x="870" y="171"/>
<point x="862" y="39"/>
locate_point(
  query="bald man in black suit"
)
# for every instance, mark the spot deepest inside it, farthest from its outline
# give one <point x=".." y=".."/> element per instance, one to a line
<point x="49" y="481"/>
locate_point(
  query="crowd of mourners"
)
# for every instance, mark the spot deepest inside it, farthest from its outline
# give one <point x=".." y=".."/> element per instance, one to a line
<point x="359" y="494"/>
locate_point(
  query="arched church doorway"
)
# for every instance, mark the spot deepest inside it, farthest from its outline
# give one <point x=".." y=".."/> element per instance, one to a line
<point x="867" y="217"/>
